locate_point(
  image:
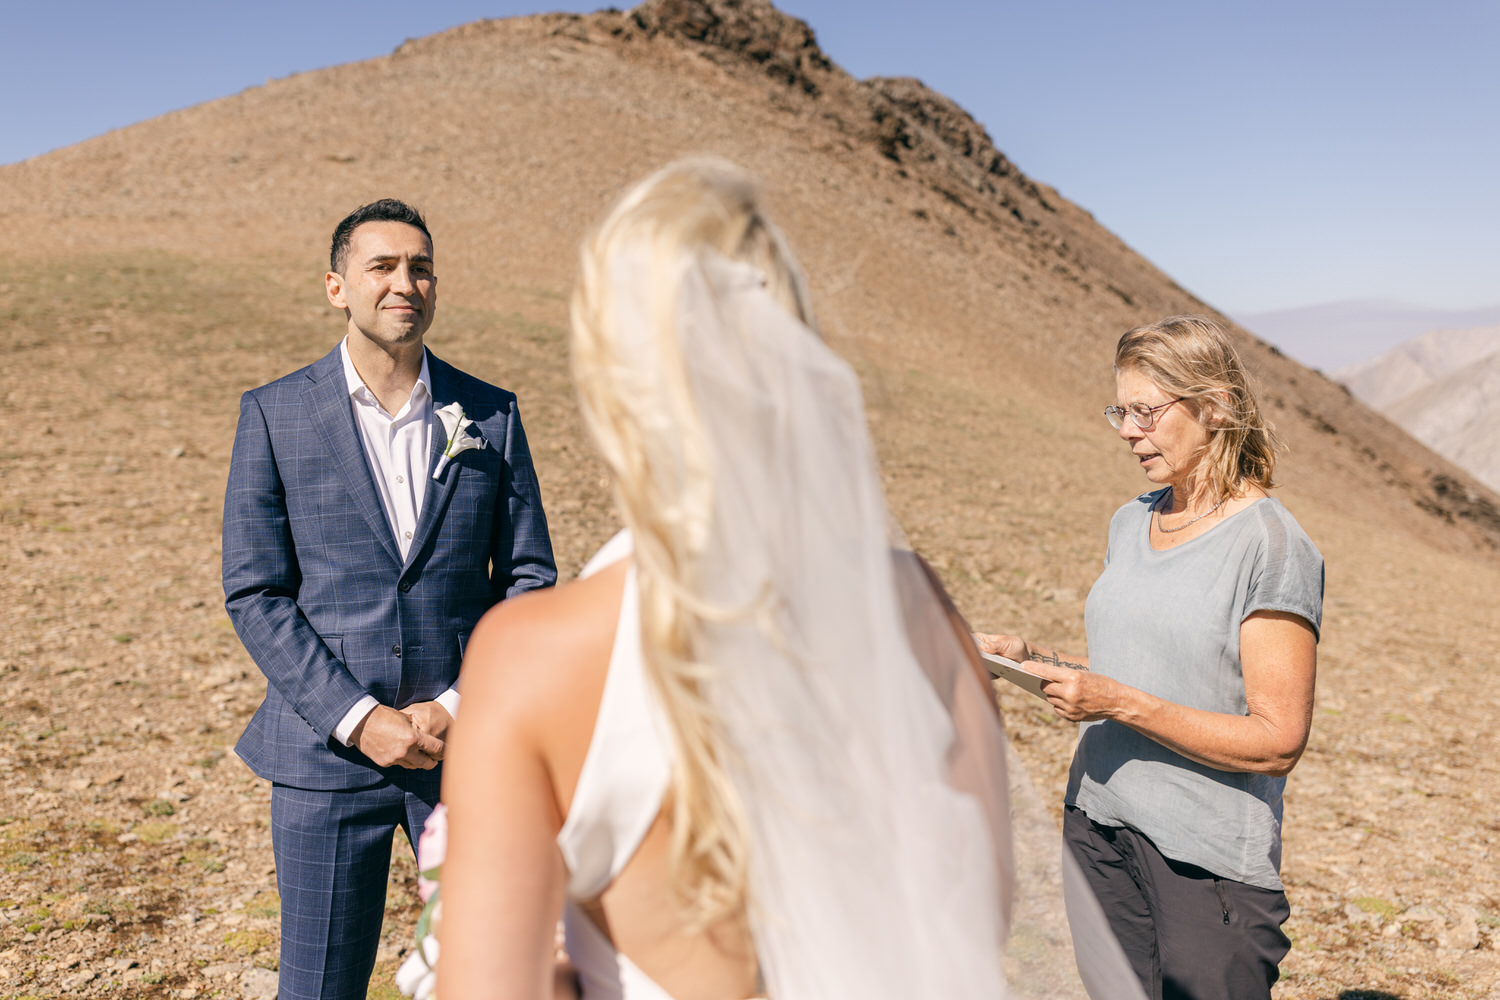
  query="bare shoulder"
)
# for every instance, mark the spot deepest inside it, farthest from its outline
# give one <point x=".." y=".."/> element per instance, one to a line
<point x="544" y="649"/>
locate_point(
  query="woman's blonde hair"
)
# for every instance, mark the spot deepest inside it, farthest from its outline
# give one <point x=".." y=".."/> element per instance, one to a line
<point x="1192" y="358"/>
<point x="650" y="435"/>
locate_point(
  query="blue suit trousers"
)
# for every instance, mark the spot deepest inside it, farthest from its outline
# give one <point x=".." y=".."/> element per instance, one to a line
<point x="333" y="852"/>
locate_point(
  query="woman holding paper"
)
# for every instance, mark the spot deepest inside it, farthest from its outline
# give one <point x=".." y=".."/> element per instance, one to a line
<point x="1196" y="697"/>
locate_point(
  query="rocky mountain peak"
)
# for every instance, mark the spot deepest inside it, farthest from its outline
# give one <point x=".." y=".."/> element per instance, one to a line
<point x="944" y="118"/>
<point x="753" y="29"/>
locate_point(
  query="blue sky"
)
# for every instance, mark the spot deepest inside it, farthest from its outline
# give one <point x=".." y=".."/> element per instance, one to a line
<point x="1267" y="156"/>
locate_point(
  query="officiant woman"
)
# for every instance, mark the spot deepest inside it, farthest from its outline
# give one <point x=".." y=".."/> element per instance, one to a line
<point x="1196" y="697"/>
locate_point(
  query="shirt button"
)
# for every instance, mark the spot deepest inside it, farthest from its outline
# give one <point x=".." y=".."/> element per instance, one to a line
<point x="396" y="649"/>
<point x="408" y="536"/>
<point x="400" y="479"/>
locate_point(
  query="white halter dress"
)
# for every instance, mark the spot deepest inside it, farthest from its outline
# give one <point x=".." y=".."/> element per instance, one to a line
<point x="620" y="790"/>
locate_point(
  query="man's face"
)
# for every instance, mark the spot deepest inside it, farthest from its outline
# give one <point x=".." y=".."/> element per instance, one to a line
<point x="388" y="288"/>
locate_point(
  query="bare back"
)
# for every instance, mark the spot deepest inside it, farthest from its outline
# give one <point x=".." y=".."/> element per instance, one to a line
<point x="538" y="667"/>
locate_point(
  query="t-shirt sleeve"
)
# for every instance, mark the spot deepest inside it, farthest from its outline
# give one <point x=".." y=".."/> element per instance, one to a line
<point x="1290" y="577"/>
<point x="1119" y="522"/>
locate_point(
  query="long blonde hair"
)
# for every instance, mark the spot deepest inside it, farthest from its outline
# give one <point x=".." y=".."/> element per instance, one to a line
<point x="1192" y="358"/>
<point x="649" y="433"/>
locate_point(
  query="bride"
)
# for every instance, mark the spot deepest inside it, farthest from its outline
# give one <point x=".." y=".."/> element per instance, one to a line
<point x="751" y="752"/>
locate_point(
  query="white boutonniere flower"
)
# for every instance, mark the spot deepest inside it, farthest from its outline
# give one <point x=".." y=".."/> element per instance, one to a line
<point x="459" y="439"/>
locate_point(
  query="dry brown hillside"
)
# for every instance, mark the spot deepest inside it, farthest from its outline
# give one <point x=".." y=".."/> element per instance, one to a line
<point x="158" y="271"/>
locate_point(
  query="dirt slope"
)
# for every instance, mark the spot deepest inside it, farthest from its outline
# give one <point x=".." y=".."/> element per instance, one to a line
<point x="162" y="269"/>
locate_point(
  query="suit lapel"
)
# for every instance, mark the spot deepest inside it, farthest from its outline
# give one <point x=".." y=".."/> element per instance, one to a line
<point x="328" y="402"/>
<point x="440" y="490"/>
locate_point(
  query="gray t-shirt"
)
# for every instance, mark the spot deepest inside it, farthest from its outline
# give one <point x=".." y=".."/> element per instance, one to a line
<point x="1169" y="623"/>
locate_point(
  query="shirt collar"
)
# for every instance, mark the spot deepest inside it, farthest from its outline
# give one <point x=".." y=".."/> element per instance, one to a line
<point x="361" y="392"/>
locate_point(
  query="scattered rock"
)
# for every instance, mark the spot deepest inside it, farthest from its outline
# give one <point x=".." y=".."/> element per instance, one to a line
<point x="226" y="673"/>
<point x="1423" y="914"/>
<point x="1464" y="934"/>
<point x="81" y="979"/>
<point x="259" y="984"/>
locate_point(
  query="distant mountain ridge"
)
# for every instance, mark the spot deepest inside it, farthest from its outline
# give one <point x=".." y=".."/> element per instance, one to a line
<point x="1335" y="335"/>
<point x="1443" y="388"/>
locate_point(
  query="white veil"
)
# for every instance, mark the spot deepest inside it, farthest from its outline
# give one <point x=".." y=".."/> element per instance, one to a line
<point x="870" y="764"/>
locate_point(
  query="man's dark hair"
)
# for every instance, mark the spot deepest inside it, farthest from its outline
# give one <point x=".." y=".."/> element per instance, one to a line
<point x="384" y="210"/>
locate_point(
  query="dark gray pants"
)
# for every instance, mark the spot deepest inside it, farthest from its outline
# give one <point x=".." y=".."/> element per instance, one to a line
<point x="1188" y="934"/>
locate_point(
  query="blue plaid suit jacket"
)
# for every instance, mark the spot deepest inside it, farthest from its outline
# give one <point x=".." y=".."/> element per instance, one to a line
<point x="314" y="581"/>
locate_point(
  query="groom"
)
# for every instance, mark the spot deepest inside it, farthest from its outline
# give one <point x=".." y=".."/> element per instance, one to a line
<point x="367" y="526"/>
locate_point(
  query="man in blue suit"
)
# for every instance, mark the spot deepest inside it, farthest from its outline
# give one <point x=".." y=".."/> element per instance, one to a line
<point x="379" y="502"/>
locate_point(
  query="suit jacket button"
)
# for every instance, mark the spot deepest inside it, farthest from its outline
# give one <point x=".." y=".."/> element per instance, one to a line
<point x="404" y="586"/>
<point x="396" y="649"/>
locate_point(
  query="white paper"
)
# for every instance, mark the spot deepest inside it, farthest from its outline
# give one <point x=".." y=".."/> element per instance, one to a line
<point x="1010" y="670"/>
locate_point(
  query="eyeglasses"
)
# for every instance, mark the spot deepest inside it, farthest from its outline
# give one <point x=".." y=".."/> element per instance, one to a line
<point x="1140" y="414"/>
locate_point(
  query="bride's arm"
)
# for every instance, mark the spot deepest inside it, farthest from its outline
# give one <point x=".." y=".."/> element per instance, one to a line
<point x="912" y="562"/>
<point x="940" y="638"/>
<point x="503" y="879"/>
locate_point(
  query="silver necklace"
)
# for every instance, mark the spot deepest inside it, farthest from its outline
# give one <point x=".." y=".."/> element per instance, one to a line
<point x="1167" y="497"/>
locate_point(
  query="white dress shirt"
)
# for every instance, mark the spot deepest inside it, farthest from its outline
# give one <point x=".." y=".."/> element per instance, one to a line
<point x="397" y="448"/>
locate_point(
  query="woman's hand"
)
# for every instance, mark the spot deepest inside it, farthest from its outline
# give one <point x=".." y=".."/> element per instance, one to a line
<point x="1278" y="657"/>
<point x="1077" y="695"/>
<point x="1012" y="647"/>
